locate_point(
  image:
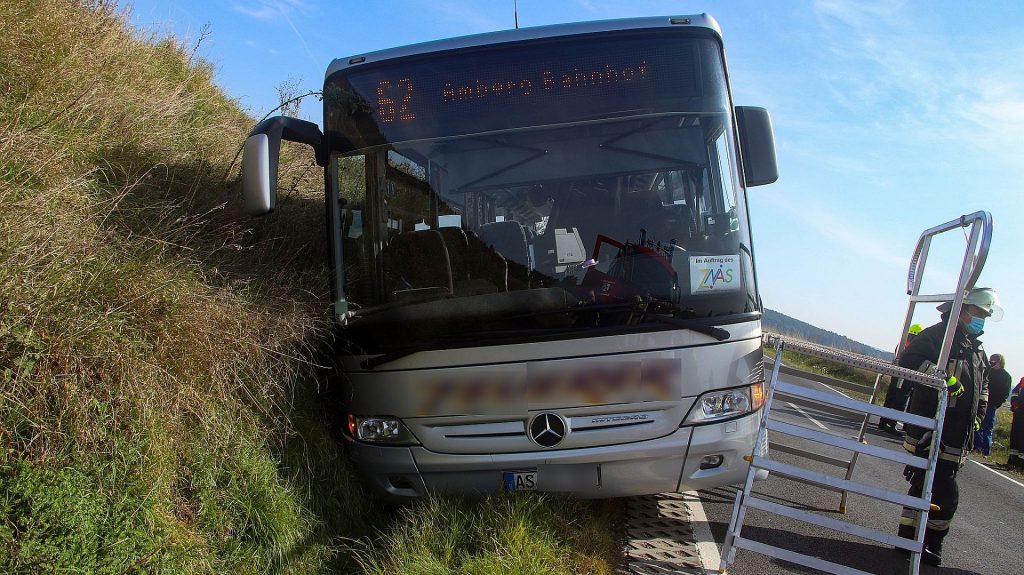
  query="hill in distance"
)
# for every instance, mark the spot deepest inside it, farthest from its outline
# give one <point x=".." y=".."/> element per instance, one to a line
<point x="783" y="324"/>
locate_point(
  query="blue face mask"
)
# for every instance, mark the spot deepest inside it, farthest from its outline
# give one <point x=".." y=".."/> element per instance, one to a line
<point x="975" y="326"/>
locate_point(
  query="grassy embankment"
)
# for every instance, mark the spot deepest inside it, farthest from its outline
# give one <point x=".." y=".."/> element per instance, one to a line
<point x="160" y="409"/>
<point x="831" y="369"/>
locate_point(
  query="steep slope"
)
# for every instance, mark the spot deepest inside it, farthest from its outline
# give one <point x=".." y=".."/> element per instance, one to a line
<point x="161" y="378"/>
<point x="156" y="409"/>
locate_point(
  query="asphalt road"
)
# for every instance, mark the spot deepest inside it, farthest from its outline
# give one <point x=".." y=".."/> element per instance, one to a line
<point x="985" y="537"/>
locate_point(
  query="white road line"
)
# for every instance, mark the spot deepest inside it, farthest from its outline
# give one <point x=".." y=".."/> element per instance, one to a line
<point x="825" y="385"/>
<point x="805" y="414"/>
<point x="710" y="558"/>
<point x="1006" y="477"/>
<point x="834" y="389"/>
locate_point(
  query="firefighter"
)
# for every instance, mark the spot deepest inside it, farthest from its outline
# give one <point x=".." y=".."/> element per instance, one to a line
<point x="1016" y="458"/>
<point x="967" y="389"/>
<point x="899" y="391"/>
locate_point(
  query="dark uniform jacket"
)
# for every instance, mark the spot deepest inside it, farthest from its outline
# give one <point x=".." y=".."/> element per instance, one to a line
<point x="998" y="387"/>
<point x="967" y="362"/>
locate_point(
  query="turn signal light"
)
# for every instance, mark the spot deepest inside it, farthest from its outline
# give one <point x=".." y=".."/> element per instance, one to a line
<point x="757" y="395"/>
<point x="726" y="404"/>
<point x="352" y="425"/>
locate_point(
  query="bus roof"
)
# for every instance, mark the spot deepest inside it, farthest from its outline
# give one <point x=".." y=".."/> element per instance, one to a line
<point x="531" y="33"/>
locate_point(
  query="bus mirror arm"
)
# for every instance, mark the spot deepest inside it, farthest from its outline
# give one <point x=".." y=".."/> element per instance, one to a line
<point x="757" y="145"/>
<point x="260" y="158"/>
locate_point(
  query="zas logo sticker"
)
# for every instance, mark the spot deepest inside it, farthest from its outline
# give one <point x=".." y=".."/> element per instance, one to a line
<point x="713" y="274"/>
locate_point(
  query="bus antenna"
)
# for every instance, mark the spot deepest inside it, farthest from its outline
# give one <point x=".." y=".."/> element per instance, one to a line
<point x="515" y="12"/>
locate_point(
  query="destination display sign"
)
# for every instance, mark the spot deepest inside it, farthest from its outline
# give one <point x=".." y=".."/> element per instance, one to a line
<point x="511" y="87"/>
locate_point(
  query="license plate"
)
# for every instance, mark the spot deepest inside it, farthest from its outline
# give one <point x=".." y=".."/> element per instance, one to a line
<point x="520" y="480"/>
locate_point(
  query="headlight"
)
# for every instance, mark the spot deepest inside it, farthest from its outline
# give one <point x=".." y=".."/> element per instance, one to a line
<point x="726" y="404"/>
<point x="382" y="429"/>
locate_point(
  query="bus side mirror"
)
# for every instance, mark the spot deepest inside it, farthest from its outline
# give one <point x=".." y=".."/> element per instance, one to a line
<point x="260" y="157"/>
<point x="757" y="145"/>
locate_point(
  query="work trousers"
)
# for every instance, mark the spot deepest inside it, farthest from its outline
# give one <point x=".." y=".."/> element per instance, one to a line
<point x="983" y="437"/>
<point x="945" y="494"/>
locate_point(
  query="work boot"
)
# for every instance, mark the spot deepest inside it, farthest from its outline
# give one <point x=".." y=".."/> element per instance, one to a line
<point x="932" y="552"/>
<point x="887" y="426"/>
<point x="931" y="556"/>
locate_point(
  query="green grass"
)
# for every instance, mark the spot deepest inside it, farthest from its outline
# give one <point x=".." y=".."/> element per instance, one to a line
<point x="1001" y="436"/>
<point x="525" y="533"/>
<point x="820" y="366"/>
<point x="161" y="405"/>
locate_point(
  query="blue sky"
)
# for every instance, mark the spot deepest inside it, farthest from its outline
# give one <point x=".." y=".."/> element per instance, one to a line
<point x="890" y="118"/>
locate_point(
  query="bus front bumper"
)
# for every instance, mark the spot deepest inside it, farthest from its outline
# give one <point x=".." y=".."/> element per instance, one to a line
<point x="666" y="464"/>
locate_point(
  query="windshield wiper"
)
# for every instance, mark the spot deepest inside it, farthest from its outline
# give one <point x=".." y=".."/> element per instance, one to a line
<point x="698" y="325"/>
<point x="428" y="295"/>
<point x="641" y="312"/>
<point x="714" y="331"/>
<point x="377" y="361"/>
<point x="647" y="309"/>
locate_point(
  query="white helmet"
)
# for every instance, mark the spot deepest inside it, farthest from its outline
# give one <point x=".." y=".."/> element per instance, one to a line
<point x="983" y="298"/>
<point x="986" y="299"/>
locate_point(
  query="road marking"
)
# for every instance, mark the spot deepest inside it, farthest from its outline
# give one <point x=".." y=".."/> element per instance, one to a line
<point x="830" y="388"/>
<point x="824" y="385"/>
<point x="805" y="414"/>
<point x="707" y="548"/>
<point x="1008" y="478"/>
<point x="834" y="389"/>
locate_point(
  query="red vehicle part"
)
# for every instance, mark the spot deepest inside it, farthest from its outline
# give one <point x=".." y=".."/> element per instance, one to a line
<point x="636" y="270"/>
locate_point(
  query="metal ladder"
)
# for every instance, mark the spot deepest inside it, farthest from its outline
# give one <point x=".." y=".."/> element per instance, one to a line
<point x="800" y="401"/>
<point x="980" y="224"/>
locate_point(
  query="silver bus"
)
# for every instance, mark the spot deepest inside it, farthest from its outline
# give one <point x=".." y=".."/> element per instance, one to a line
<point x="543" y="274"/>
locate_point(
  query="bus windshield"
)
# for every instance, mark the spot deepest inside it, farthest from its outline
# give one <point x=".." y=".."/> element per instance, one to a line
<point x="476" y="204"/>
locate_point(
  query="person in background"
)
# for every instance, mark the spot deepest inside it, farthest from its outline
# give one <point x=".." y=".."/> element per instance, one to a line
<point x="999" y="383"/>
<point x="967" y="388"/>
<point x="1016" y="459"/>
<point x="899" y="391"/>
<point x="914" y="331"/>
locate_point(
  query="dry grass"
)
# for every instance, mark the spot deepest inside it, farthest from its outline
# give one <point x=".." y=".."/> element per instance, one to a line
<point x="160" y="399"/>
<point x="152" y="404"/>
<point x="526" y="533"/>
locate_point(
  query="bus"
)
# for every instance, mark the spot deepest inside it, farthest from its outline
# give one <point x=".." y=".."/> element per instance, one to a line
<point x="542" y="269"/>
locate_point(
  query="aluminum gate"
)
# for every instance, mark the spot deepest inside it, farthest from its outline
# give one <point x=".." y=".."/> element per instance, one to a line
<point x="980" y="224"/>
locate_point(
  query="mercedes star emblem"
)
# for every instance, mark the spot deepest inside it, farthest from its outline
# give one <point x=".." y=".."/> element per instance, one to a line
<point x="547" y="429"/>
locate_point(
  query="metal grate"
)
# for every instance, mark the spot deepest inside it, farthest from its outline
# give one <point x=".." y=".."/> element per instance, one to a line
<point x="659" y="536"/>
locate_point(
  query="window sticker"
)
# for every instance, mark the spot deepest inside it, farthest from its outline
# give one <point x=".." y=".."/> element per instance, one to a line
<point x="714" y="274"/>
